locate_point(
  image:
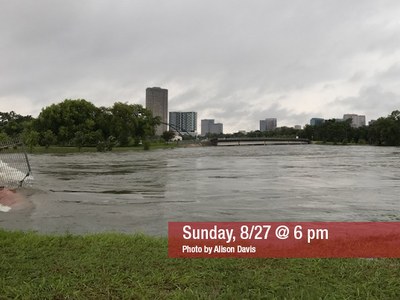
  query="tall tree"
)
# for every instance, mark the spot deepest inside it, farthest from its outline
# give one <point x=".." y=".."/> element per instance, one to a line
<point x="386" y="131"/>
<point x="13" y="124"/>
<point x="67" y="118"/>
<point x="131" y="121"/>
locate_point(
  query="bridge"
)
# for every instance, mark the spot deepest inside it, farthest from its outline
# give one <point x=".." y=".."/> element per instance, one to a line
<point x="257" y="141"/>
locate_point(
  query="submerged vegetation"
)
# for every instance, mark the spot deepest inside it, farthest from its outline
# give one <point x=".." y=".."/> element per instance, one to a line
<point x="120" y="266"/>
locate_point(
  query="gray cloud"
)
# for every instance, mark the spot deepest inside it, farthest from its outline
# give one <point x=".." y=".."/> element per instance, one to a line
<point x="238" y="61"/>
<point x="372" y="101"/>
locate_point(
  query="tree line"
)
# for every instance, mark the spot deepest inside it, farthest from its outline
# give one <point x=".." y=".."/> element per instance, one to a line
<point x="383" y="132"/>
<point x="80" y="123"/>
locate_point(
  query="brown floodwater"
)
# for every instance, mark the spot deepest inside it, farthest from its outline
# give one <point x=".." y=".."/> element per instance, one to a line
<point x="143" y="191"/>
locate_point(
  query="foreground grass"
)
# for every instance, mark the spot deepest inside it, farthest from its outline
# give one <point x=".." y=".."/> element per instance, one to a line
<point x="117" y="266"/>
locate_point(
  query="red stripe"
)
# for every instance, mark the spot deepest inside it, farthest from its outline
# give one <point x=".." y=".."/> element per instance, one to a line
<point x="284" y="239"/>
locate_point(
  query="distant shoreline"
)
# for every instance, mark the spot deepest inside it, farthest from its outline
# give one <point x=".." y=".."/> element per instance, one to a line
<point x="73" y="149"/>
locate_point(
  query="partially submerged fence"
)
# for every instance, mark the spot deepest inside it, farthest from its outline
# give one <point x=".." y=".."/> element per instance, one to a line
<point x="15" y="170"/>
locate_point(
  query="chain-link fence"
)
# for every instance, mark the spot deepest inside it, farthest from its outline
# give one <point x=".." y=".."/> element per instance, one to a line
<point x="15" y="170"/>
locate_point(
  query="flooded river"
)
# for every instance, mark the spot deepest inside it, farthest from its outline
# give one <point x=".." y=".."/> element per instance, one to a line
<point x="143" y="191"/>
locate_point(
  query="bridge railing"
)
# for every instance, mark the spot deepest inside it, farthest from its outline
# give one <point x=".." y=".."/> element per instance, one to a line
<point x="259" y="140"/>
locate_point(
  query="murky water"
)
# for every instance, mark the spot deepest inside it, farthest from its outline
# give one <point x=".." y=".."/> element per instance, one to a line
<point x="142" y="191"/>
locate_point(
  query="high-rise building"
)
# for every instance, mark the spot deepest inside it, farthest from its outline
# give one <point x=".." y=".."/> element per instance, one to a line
<point x="183" y="121"/>
<point x="209" y="127"/>
<point x="356" y="120"/>
<point x="316" y="121"/>
<point x="268" y="124"/>
<point x="157" y="103"/>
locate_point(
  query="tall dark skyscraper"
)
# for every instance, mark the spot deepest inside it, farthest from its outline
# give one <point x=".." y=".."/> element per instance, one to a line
<point x="157" y="103"/>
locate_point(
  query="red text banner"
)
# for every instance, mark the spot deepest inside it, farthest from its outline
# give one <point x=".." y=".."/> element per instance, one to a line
<point x="284" y="239"/>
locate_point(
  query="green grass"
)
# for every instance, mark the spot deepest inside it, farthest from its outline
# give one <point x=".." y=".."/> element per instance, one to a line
<point x="118" y="266"/>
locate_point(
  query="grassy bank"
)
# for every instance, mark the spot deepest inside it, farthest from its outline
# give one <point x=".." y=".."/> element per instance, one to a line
<point x="116" y="266"/>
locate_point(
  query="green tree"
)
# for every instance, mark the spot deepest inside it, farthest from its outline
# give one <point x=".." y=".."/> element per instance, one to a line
<point x="14" y="124"/>
<point x="145" y="122"/>
<point x="89" y="139"/>
<point x="386" y="131"/>
<point x="48" y="138"/>
<point x="122" y="122"/>
<point x="79" y="139"/>
<point x="3" y="136"/>
<point x="106" y="145"/>
<point x="104" y="121"/>
<point x="67" y="118"/>
<point x="308" y="132"/>
<point x="168" y="135"/>
<point x="395" y="115"/>
<point x="30" y="138"/>
<point x="131" y="121"/>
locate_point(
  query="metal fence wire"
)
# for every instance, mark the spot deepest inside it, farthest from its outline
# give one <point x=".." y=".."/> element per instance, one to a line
<point x="15" y="170"/>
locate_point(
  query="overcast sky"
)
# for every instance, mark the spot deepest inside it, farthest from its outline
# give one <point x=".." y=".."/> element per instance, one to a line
<point x="234" y="61"/>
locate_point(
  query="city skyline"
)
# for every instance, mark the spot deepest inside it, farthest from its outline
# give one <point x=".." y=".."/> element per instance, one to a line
<point x="232" y="61"/>
<point x="157" y="102"/>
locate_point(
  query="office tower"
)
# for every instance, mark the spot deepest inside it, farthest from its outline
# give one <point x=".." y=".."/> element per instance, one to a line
<point x="316" y="121"/>
<point x="268" y="124"/>
<point x="209" y="127"/>
<point x="157" y="103"/>
<point x="183" y="121"/>
<point x="356" y="120"/>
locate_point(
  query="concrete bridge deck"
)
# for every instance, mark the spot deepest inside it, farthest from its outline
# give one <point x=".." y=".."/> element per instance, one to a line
<point x="257" y="141"/>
